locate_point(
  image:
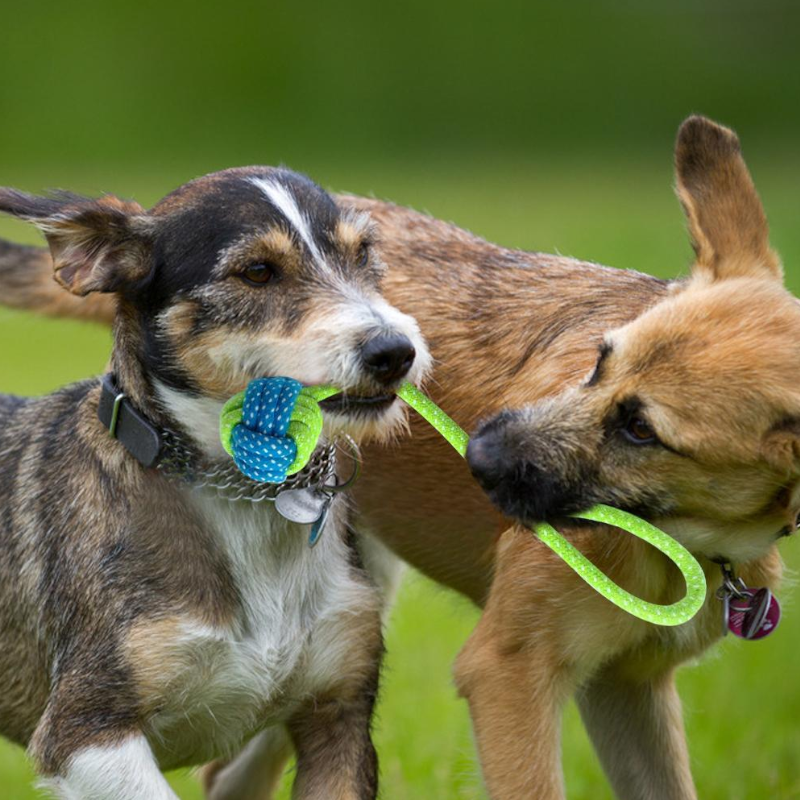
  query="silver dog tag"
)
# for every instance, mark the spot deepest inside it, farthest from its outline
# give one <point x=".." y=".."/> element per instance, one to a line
<point x="319" y="525"/>
<point x="303" y="506"/>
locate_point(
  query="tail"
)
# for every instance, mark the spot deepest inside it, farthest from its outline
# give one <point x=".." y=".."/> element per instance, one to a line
<point x="26" y="281"/>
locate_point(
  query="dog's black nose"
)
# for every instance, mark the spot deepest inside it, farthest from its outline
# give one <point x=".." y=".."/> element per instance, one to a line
<point x="522" y="485"/>
<point x="388" y="358"/>
<point x="485" y="459"/>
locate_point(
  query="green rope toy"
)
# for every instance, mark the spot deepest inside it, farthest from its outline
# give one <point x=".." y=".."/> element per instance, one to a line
<point x="305" y="425"/>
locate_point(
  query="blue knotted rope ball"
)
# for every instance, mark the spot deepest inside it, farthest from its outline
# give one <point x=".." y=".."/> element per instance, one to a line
<point x="259" y="442"/>
<point x="272" y="428"/>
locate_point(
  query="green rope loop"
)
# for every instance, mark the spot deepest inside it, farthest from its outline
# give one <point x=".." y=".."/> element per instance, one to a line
<point x="693" y="575"/>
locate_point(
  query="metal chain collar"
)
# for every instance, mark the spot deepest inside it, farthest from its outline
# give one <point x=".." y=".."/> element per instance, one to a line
<point x="179" y="461"/>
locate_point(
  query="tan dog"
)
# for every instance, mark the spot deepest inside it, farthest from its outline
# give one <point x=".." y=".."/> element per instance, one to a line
<point x="711" y="363"/>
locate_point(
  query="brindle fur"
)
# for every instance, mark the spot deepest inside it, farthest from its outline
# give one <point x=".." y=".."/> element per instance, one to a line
<point x="509" y="328"/>
<point x="119" y="599"/>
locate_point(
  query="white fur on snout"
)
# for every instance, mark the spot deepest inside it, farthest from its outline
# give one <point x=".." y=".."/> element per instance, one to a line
<point x="111" y="772"/>
<point x="328" y="350"/>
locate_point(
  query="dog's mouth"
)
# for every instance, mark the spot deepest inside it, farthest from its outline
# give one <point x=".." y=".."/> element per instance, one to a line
<point x="355" y="405"/>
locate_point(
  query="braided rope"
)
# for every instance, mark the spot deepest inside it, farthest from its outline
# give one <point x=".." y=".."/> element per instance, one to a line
<point x="675" y="614"/>
<point x="272" y="428"/>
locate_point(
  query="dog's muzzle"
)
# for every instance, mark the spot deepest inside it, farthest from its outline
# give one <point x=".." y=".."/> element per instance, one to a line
<point x="519" y="483"/>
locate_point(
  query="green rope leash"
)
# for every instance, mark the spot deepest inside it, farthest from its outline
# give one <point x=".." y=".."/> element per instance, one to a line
<point x="304" y="426"/>
<point x="693" y="575"/>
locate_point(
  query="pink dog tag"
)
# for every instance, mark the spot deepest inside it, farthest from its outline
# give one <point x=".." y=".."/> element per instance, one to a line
<point x="755" y="615"/>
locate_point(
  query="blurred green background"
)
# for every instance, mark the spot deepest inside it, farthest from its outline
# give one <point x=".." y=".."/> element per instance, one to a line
<point x="545" y="125"/>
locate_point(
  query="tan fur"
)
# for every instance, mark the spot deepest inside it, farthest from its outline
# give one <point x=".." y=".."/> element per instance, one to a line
<point x="352" y="232"/>
<point x="508" y="329"/>
<point x="505" y="328"/>
<point x="544" y="634"/>
<point x="196" y="351"/>
<point x="728" y="225"/>
<point x="275" y="246"/>
<point x="153" y="650"/>
<point x="28" y="283"/>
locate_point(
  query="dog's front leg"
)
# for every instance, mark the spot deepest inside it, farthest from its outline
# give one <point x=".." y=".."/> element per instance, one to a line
<point x="515" y="702"/>
<point x="513" y="676"/>
<point x="637" y="730"/>
<point x="335" y="756"/>
<point x="254" y="773"/>
<point x="118" y="770"/>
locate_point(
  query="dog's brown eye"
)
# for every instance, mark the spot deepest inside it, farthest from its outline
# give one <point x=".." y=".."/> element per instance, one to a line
<point x="639" y="431"/>
<point x="259" y="274"/>
<point x="362" y="259"/>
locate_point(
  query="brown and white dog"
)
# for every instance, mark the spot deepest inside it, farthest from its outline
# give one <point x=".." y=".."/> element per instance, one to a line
<point x="147" y="622"/>
<point x="677" y="399"/>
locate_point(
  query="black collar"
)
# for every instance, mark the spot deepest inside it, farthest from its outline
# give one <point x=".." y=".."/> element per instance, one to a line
<point x="139" y="437"/>
<point x="175" y="458"/>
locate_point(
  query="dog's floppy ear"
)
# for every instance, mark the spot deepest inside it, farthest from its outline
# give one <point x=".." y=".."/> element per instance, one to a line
<point x="97" y="245"/>
<point x="727" y="223"/>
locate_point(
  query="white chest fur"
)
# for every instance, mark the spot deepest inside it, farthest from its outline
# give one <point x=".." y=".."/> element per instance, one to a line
<point x="290" y="639"/>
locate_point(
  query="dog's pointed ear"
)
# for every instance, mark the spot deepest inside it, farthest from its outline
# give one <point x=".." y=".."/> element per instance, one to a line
<point x="727" y="223"/>
<point x="98" y="245"/>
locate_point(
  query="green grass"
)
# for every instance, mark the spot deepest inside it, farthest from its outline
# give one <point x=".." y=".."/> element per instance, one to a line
<point x="742" y="702"/>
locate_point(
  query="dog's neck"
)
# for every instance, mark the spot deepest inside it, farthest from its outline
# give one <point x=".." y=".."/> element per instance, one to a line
<point x="128" y="365"/>
<point x="198" y="417"/>
<point x="165" y="407"/>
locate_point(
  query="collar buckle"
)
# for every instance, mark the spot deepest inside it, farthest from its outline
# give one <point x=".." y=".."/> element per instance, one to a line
<point x="112" y="425"/>
<point x="125" y="424"/>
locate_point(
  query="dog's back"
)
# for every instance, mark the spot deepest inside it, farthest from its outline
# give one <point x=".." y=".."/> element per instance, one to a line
<point x="39" y="464"/>
<point x="22" y="701"/>
<point x="26" y="278"/>
<point x="9" y="403"/>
